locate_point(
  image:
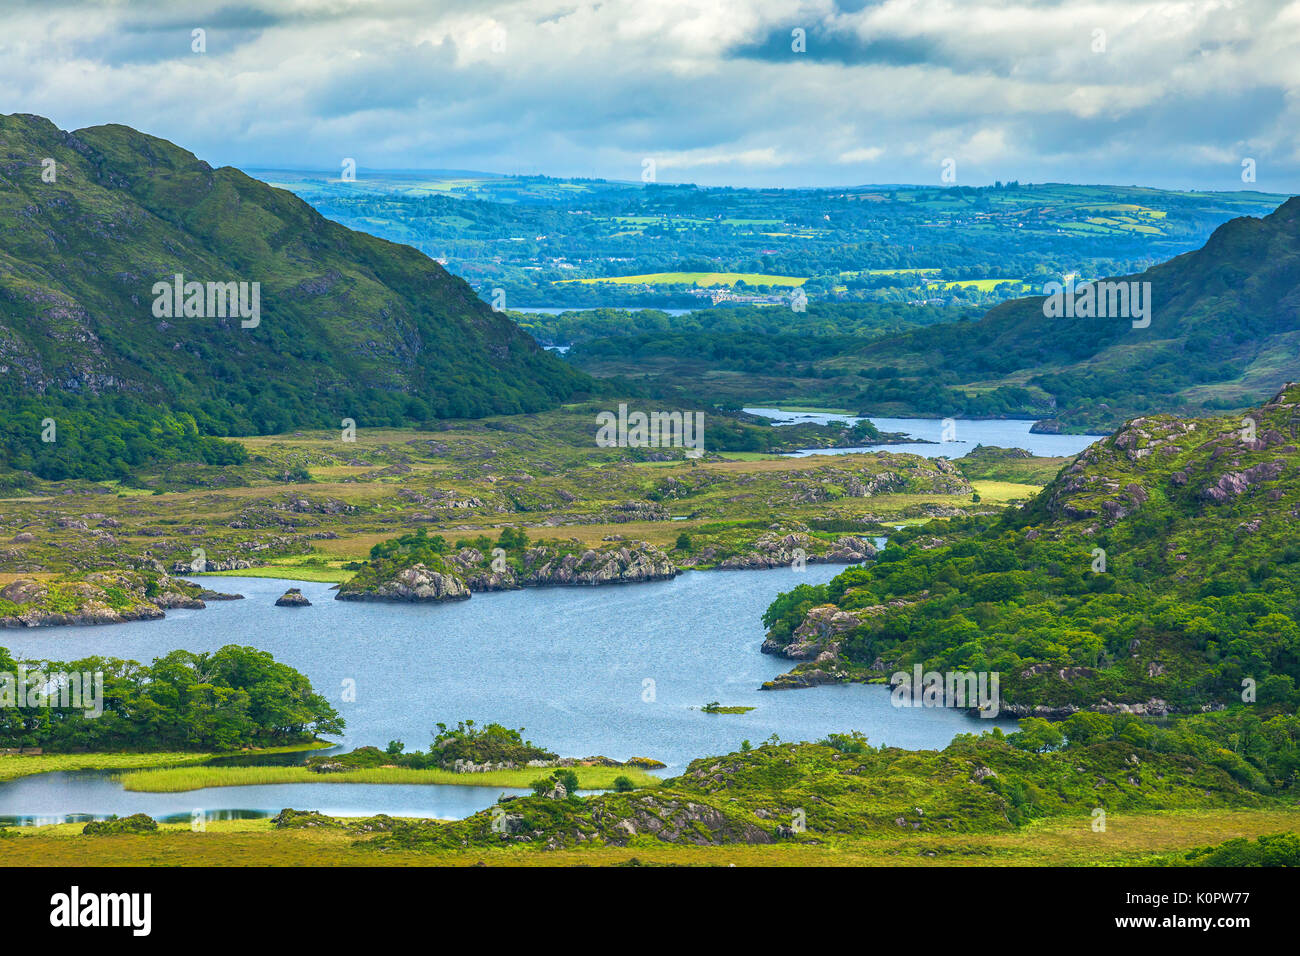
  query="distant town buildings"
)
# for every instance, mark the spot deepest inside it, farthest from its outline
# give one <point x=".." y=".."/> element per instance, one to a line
<point x="719" y="295"/>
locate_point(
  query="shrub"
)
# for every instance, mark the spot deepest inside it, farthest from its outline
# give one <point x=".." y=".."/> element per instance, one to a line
<point x="136" y="823"/>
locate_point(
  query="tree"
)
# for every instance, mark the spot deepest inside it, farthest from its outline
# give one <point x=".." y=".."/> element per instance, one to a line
<point x="1036" y="735"/>
<point x="569" y="780"/>
<point x="1086" y="727"/>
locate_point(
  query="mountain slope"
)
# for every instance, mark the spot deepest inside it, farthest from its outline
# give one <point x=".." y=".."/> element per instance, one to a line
<point x="1159" y="572"/>
<point x="350" y="326"/>
<point x="1224" y="333"/>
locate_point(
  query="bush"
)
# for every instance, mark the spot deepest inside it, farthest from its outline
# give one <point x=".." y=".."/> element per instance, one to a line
<point x="1278" y="849"/>
<point x="491" y="743"/>
<point x="136" y="823"/>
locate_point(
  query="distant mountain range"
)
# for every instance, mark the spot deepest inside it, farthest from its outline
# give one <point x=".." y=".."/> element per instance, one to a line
<point x="1223" y="332"/>
<point x="332" y="324"/>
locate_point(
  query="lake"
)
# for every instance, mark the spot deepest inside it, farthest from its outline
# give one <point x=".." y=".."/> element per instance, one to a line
<point x="618" y="670"/>
<point x="967" y="433"/>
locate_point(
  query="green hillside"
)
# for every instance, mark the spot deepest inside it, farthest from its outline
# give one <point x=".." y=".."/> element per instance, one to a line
<point x="1158" y="573"/>
<point x="349" y="326"/>
<point x="1224" y="333"/>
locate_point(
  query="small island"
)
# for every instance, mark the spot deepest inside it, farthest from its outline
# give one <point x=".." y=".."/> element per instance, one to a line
<point x="293" y="598"/>
<point x="714" y="707"/>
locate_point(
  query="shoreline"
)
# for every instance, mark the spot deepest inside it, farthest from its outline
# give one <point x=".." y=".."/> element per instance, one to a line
<point x="18" y="766"/>
<point x="247" y="573"/>
<point x="184" y="779"/>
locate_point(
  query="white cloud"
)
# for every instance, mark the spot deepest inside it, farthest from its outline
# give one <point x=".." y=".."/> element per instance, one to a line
<point x="863" y="154"/>
<point x="1009" y="88"/>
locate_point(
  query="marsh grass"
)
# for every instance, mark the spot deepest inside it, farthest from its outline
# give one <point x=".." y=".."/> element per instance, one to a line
<point x="180" y="779"/>
<point x="13" y="767"/>
<point x="291" y="572"/>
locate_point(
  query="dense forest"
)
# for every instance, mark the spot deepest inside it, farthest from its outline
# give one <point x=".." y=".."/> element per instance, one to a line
<point x="233" y="698"/>
<point x="1161" y="566"/>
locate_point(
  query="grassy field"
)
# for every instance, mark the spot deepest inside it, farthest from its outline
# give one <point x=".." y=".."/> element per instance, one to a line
<point x="1002" y="492"/>
<point x="13" y="767"/>
<point x="1129" y="840"/>
<point x="179" y="779"/>
<point x="292" y="571"/>
<point x="982" y="285"/>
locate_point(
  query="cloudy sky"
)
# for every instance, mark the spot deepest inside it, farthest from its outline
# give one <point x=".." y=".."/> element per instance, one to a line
<point x="1174" y="94"/>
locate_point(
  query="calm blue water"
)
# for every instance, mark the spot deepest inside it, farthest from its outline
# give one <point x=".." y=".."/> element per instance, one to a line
<point x="613" y="670"/>
<point x="1003" y="433"/>
<point x="92" y="795"/>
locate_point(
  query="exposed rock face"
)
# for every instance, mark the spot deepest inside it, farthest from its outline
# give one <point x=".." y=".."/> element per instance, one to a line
<point x="816" y="634"/>
<point x="233" y="564"/>
<point x="633" y="562"/>
<point x="677" y="821"/>
<point x="668" y="818"/>
<point x="542" y="566"/>
<point x="636" y="511"/>
<point x="102" y="597"/>
<point x="1234" y="484"/>
<point x="1201" y="459"/>
<point x="207" y="594"/>
<point x="1066" y="674"/>
<point x="772" y="551"/>
<point x="293" y="598"/>
<point x="850" y="549"/>
<point x="782" y="551"/>
<point x="469" y="766"/>
<point x="479" y="573"/>
<point x="1155" y="707"/>
<point x="1044" y="711"/>
<point x="796" y="680"/>
<point x="416" y="583"/>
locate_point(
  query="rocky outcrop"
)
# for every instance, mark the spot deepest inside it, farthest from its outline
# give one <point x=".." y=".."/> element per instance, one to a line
<point x="772" y="551"/>
<point x="783" y="551"/>
<point x="469" y="766"/>
<point x="207" y="594"/>
<point x="1235" y="484"/>
<point x="666" y="817"/>
<point x="293" y="598"/>
<point x="799" y="679"/>
<point x="482" y="574"/>
<point x="232" y="564"/>
<point x="546" y="566"/>
<point x="850" y="549"/>
<point x="635" y="511"/>
<point x="815" y="635"/>
<point x="417" y="583"/>
<point x="101" y="597"/>
<point x="676" y="821"/>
